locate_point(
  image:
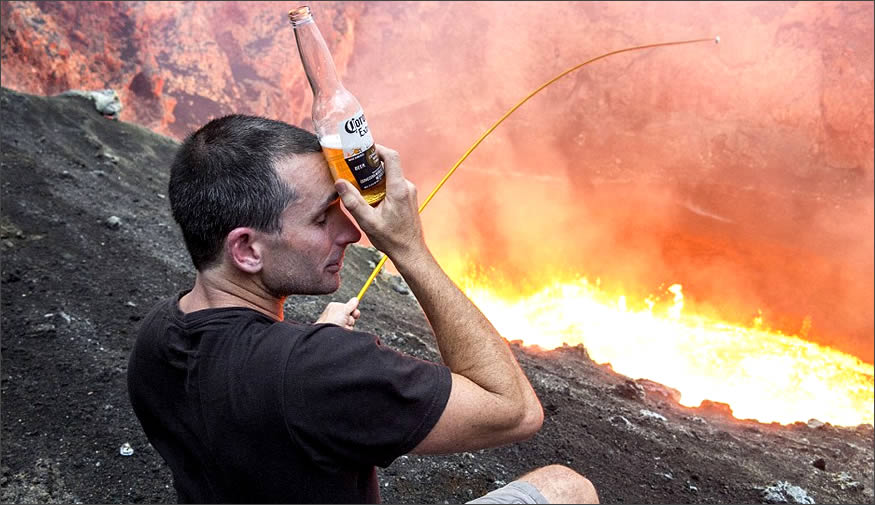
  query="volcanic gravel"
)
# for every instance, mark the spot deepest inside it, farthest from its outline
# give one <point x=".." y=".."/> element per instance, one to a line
<point x="89" y="245"/>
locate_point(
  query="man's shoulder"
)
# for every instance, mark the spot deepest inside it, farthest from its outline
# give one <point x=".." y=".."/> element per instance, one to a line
<point x="330" y="336"/>
<point x="164" y="305"/>
<point x="156" y="320"/>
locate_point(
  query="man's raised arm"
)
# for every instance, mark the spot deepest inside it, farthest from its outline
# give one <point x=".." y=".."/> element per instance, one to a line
<point x="491" y="402"/>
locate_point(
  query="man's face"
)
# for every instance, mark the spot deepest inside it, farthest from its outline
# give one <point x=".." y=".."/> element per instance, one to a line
<point x="306" y="256"/>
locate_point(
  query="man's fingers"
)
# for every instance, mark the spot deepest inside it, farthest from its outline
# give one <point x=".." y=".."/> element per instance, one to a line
<point x="352" y="199"/>
<point x="392" y="162"/>
<point x="352" y="310"/>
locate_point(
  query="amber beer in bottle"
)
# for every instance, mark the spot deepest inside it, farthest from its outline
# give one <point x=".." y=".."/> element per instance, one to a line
<point x="337" y="116"/>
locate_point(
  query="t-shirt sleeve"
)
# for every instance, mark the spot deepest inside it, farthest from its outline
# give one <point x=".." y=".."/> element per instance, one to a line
<point x="349" y="400"/>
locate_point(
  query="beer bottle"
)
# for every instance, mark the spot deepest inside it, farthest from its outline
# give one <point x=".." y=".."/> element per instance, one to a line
<point x="338" y="118"/>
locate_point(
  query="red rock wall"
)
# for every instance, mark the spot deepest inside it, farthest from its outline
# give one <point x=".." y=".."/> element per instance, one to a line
<point x="174" y="64"/>
<point x="805" y="68"/>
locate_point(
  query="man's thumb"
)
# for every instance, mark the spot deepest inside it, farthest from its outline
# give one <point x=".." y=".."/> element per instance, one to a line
<point x="352" y="303"/>
<point x="350" y="197"/>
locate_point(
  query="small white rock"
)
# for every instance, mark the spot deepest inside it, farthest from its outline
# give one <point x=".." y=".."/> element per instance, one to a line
<point x="113" y="222"/>
<point x="652" y="415"/>
<point x="784" y="492"/>
<point x="622" y="421"/>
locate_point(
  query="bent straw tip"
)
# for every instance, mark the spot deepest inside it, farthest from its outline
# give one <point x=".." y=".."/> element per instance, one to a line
<point x="717" y="39"/>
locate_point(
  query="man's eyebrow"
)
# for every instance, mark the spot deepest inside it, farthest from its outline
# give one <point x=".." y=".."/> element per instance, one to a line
<point x="328" y="202"/>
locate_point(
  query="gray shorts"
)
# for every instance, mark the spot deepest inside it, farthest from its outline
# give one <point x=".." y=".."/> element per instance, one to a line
<point x="515" y="492"/>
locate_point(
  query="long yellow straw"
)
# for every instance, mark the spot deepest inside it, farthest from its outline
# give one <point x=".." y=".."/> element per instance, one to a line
<point x="508" y="113"/>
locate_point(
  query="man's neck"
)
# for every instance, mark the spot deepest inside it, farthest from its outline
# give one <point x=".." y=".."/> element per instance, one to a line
<point x="212" y="290"/>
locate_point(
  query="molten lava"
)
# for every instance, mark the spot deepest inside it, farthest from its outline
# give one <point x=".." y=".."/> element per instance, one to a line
<point x="761" y="374"/>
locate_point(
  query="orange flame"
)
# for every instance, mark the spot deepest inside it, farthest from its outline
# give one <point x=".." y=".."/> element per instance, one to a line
<point x="762" y="375"/>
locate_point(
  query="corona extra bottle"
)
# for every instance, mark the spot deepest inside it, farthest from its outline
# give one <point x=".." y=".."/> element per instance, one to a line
<point x="338" y="118"/>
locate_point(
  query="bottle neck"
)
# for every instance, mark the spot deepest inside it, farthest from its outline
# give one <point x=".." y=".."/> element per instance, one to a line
<point x="315" y="56"/>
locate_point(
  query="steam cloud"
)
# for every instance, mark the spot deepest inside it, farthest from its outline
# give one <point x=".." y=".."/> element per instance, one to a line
<point x="742" y="171"/>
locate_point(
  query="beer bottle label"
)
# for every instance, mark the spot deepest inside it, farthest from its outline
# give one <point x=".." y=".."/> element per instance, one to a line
<point x="359" y="151"/>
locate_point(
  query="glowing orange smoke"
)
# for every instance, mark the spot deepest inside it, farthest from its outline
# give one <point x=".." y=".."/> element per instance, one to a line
<point x="762" y="375"/>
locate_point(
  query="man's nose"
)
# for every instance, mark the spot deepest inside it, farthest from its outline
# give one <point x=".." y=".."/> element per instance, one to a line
<point x="349" y="233"/>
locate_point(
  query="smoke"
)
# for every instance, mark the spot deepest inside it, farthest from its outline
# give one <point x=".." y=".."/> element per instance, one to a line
<point x="742" y="171"/>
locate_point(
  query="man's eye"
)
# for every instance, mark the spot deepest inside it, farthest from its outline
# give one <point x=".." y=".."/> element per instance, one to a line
<point x="320" y="219"/>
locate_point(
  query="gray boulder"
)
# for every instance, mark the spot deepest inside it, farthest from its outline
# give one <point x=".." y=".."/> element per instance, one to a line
<point x="784" y="492"/>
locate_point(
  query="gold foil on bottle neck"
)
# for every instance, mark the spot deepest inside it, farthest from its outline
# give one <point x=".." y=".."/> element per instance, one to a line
<point x="300" y="15"/>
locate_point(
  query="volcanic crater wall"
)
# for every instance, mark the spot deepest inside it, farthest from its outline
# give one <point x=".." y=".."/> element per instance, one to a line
<point x="174" y="64"/>
<point x="742" y="170"/>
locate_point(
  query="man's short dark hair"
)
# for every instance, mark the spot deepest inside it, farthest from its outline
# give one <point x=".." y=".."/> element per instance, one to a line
<point x="224" y="177"/>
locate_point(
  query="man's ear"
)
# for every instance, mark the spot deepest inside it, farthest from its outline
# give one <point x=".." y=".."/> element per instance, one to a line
<point x="244" y="250"/>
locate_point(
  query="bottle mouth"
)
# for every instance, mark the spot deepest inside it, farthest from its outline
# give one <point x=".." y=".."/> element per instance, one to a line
<point x="300" y="15"/>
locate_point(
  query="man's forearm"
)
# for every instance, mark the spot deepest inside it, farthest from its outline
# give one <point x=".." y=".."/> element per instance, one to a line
<point x="469" y="344"/>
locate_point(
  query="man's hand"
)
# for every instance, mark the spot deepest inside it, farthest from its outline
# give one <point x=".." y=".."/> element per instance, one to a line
<point x="393" y="226"/>
<point x="341" y="314"/>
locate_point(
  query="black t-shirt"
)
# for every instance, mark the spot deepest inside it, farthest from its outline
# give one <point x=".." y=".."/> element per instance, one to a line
<point x="247" y="409"/>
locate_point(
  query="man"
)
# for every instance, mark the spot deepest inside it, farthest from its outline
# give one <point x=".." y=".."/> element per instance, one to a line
<point x="247" y="407"/>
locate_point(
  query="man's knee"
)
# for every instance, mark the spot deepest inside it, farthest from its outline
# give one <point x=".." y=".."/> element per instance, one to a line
<point x="560" y="484"/>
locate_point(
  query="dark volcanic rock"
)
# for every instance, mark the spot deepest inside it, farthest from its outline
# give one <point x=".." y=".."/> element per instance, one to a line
<point x="73" y="291"/>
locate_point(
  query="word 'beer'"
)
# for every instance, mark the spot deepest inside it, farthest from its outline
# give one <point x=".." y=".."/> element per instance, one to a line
<point x="338" y="118"/>
<point x="362" y="168"/>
